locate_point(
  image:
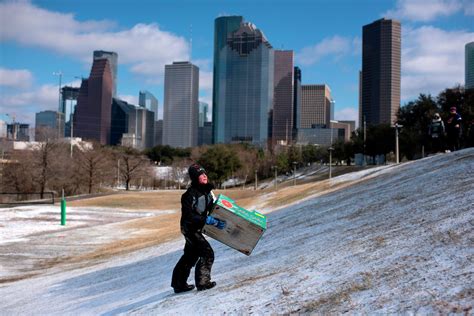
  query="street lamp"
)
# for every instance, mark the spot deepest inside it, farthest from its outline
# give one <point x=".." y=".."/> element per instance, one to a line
<point x="294" y="172"/>
<point x="256" y="179"/>
<point x="275" y="168"/>
<point x="397" y="154"/>
<point x="330" y="149"/>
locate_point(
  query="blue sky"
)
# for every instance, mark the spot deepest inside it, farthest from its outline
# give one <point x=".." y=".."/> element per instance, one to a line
<point x="41" y="37"/>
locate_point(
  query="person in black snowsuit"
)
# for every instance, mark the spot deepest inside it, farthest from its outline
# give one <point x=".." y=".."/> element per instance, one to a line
<point x="436" y="131"/>
<point x="453" y="129"/>
<point x="196" y="203"/>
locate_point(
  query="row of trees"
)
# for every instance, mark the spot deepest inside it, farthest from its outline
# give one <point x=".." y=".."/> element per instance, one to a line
<point x="49" y="166"/>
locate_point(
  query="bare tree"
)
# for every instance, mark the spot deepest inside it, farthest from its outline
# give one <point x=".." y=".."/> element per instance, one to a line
<point x="133" y="165"/>
<point x="92" y="164"/>
<point x="180" y="170"/>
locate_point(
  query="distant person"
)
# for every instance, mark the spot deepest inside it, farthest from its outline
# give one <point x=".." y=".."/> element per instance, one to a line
<point x="196" y="203"/>
<point x="453" y="129"/>
<point x="436" y="132"/>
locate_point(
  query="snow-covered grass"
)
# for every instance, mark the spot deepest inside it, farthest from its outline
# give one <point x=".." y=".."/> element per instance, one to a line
<point x="19" y="223"/>
<point x="400" y="240"/>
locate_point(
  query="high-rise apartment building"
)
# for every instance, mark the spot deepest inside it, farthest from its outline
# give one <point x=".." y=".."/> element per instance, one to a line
<point x="92" y="119"/>
<point x="381" y="63"/>
<point x="147" y="100"/>
<point x="317" y="108"/>
<point x="112" y="57"/>
<point x="283" y="98"/>
<point x="49" y="125"/>
<point x="243" y="82"/>
<point x="180" y="111"/>
<point x="469" y="65"/>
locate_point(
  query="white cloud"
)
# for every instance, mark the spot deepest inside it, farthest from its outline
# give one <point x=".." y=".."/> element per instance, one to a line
<point x="432" y="60"/>
<point x="132" y="99"/>
<point x="424" y="10"/>
<point x="205" y="80"/>
<point x="15" y="78"/>
<point x="24" y="105"/>
<point x="335" y="46"/>
<point x="347" y="114"/>
<point x="144" y="47"/>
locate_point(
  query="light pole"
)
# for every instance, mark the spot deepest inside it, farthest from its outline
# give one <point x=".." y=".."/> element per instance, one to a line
<point x="294" y="172"/>
<point x="256" y="179"/>
<point x="397" y="154"/>
<point x="330" y="161"/>
<point x="71" y="125"/>
<point x="275" y="169"/>
<point x="331" y="150"/>
<point x="136" y="127"/>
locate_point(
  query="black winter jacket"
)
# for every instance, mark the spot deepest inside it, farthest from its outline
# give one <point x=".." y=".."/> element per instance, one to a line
<point x="196" y="203"/>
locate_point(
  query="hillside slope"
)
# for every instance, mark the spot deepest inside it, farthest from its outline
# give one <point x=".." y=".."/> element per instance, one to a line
<point x="400" y="240"/>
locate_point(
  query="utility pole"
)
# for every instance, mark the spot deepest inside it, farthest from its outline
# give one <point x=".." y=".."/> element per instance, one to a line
<point x="365" y="137"/>
<point x="397" y="154"/>
<point x="71" y="123"/>
<point x="294" y="173"/>
<point x="256" y="180"/>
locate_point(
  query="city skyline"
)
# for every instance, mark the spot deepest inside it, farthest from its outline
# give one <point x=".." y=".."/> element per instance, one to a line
<point x="327" y="46"/>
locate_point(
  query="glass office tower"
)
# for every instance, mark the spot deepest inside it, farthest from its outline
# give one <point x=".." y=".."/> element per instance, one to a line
<point x="243" y="83"/>
<point x="469" y="64"/>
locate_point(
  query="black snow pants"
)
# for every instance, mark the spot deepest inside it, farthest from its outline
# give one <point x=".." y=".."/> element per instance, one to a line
<point x="197" y="251"/>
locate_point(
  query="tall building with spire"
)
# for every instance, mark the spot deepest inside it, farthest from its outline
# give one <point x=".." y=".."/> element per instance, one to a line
<point x="381" y="66"/>
<point x="243" y="83"/>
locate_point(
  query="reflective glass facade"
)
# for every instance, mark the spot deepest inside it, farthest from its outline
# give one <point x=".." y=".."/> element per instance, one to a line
<point x="243" y="76"/>
<point x="469" y="63"/>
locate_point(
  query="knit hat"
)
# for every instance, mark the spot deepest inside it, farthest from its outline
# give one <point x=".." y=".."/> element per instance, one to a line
<point x="195" y="171"/>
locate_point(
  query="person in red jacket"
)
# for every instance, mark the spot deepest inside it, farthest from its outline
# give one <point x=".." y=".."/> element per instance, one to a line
<point x="196" y="203"/>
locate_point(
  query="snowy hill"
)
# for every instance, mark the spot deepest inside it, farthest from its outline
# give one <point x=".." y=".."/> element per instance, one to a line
<point x="398" y="240"/>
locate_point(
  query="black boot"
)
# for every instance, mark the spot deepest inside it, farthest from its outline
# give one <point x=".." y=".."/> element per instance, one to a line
<point x="206" y="286"/>
<point x="185" y="288"/>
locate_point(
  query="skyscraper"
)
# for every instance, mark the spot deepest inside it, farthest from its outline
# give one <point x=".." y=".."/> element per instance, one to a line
<point x="147" y="100"/>
<point x="469" y="64"/>
<point x="283" y="109"/>
<point x="68" y="104"/>
<point x="112" y="57"/>
<point x="203" y="110"/>
<point x="316" y="106"/>
<point x="223" y="26"/>
<point x="49" y="125"/>
<point x="243" y="83"/>
<point x="92" y="119"/>
<point x="381" y="59"/>
<point x="180" y="111"/>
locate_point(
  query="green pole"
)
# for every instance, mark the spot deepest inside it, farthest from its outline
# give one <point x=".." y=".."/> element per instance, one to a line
<point x="63" y="210"/>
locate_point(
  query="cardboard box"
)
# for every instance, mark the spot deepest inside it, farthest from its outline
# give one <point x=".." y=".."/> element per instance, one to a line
<point x="243" y="228"/>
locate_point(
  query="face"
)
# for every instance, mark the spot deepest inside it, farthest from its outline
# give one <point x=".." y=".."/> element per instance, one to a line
<point x="202" y="179"/>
